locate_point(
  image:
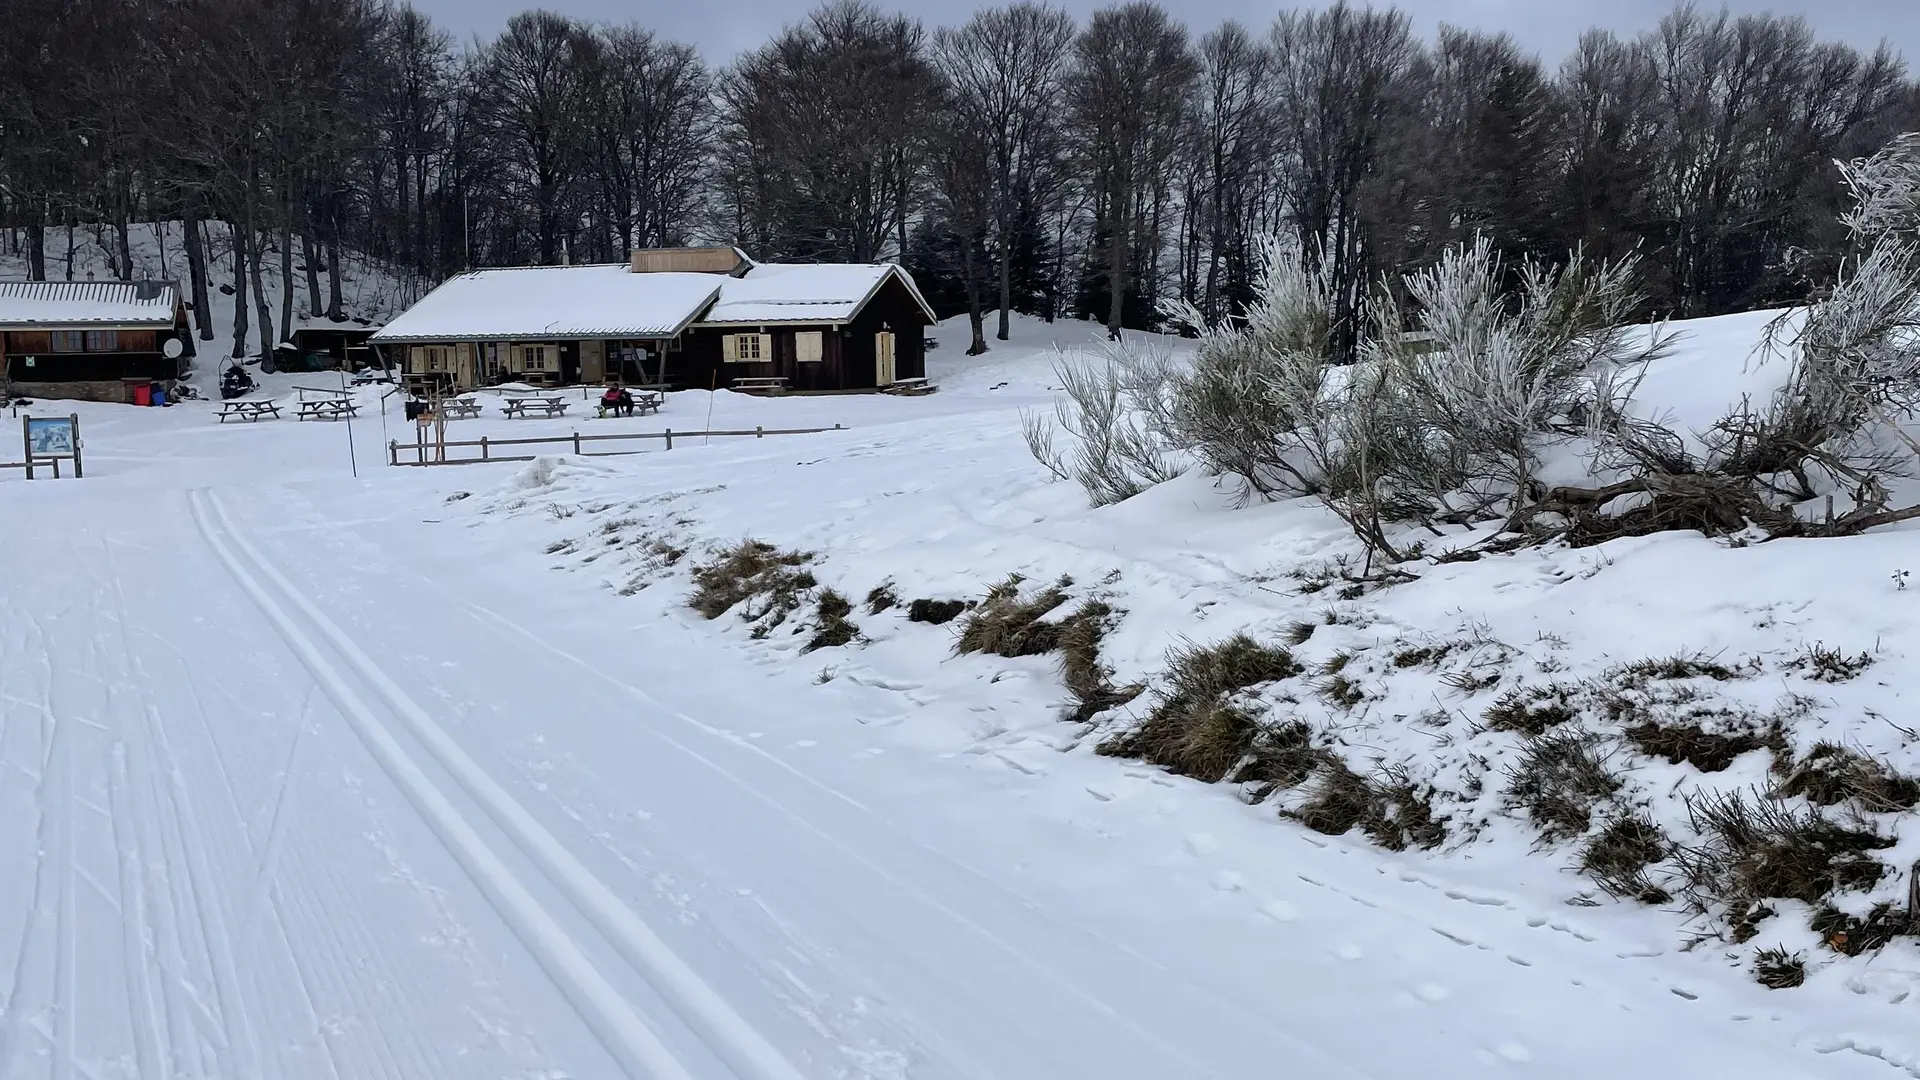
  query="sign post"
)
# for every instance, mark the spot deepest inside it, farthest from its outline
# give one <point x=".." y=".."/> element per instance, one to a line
<point x="49" y="439"/>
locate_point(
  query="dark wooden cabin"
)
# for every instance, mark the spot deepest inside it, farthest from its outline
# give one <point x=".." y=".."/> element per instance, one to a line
<point x="688" y="318"/>
<point x="91" y="340"/>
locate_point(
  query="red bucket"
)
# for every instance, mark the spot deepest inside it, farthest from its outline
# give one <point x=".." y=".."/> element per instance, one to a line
<point x="142" y="393"/>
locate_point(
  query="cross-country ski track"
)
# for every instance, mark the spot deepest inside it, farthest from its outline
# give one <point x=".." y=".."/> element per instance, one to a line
<point x="305" y="796"/>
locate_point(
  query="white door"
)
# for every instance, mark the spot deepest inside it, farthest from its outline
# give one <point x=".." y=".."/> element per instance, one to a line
<point x="883" y="358"/>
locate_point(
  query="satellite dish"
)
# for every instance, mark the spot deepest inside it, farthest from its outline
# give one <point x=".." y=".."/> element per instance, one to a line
<point x="173" y="348"/>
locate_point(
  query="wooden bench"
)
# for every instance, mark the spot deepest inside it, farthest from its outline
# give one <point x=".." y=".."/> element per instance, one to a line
<point x="770" y="384"/>
<point x="460" y="408"/>
<point x="528" y="406"/>
<point x="249" y="410"/>
<point x="908" y="387"/>
<point x="326" y="409"/>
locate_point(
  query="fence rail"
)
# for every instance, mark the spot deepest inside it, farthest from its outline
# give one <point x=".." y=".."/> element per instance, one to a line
<point x="424" y="452"/>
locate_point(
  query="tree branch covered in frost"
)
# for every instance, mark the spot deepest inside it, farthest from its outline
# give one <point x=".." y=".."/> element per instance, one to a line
<point x="1253" y="405"/>
<point x="1492" y="379"/>
<point x="1886" y="190"/>
<point x="1114" y="417"/>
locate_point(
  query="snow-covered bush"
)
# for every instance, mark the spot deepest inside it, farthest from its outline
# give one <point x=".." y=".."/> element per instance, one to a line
<point x="1491" y="376"/>
<point x="1113" y="415"/>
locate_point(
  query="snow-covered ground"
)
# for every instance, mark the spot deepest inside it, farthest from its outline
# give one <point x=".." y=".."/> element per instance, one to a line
<point x="432" y="773"/>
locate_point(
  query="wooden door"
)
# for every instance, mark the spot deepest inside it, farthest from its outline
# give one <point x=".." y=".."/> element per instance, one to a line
<point x="883" y="358"/>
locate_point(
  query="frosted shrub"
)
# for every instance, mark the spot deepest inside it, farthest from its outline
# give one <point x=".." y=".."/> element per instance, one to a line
<point x="1493" y="377"/>
<point x="1113" y="417"/>
<point x="1255" y="403"/>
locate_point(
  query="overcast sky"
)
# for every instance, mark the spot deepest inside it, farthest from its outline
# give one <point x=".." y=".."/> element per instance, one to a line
<point x="721" y="28"/>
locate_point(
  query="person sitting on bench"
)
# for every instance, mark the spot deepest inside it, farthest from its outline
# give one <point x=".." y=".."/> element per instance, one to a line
<point x="617" y="401"/>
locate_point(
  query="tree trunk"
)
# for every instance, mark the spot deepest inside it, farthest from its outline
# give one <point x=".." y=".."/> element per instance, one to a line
<point x="122" y="226"/>
<point x="1116" y="261"/>
<point x="336" y="309"/>
<point x="71" y="229"/>
<point x="239" y="293"/>
<point x="311" y="256"/>
<point x="286" y="268"/>
<point x="197" y="273"/>
<point x="37" y="251"/>
<point x="1006" y="260"/>
<point x="257" y="255"/>
<point x="969" y="271"/>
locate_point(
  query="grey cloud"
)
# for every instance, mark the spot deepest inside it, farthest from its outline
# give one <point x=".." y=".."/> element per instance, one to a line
<point x="722" y="28"/>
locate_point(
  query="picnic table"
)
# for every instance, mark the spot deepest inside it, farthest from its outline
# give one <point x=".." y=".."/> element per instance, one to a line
<point x="326" y="409"/>
<point x="644" y="401"/>
<point x="911" y="387"/>
<point x="249" y="409"/>
<point x="460" y="408"/>
<point x="543" y="404"/>
<point x="770" y="384"/>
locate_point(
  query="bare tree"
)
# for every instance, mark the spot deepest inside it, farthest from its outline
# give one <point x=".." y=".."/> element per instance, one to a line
<point x="823" y="130"/>
<point x="531" y="97"/>
<point x="652" y="125"/>
<point x="1129" y="94"/>
<point x="1338" y="74"/>
<point x="1005" y="71"/>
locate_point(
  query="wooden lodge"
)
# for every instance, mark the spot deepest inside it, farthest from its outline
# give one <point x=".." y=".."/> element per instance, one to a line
<point x="681" y="318"/>
<point x="92" y="340"/>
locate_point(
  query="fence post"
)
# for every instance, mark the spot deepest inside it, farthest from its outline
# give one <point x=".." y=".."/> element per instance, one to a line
<point x="393" y="452"/>
<point x="836" y="427"/>
<point x="576" y="444"/>
<point x="669" y="438"/>
<point x="483" y="448"/>
<point x="759" y="431"/>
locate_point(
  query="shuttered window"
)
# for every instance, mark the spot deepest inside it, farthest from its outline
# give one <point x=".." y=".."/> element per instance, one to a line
<point x="103" y="340"/>
<point x="809" y="346"/>
<point x="69" y="341"/>
<point x="746" y="348"/>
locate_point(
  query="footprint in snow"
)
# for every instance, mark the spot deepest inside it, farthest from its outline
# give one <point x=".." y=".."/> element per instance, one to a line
<point x="1350" y="952"/>
<point x="1430" y="992"/>
<point x="1280" y="911"/>
<point x="1201" y="845"/>
<point x="1229" y="881"/>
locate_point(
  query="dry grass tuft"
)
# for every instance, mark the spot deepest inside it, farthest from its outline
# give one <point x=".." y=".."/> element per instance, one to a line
<point x="1202" y="724"/>
<point x="1560" y="779"/>
<point x="1676" y="667"/>
<point x="1087" y="677"/>
<point x="882" y="598"/>
<point x="1390" y="808"/>
<point x="1851" y="935"/>
<point x="1751" y="851"/>
<point x="1532" y="710"/>
<point x="1691" y="744"/>
<point x="1009" y="623"/>
<point x="832" y="627"/>
<point x="1619" y="856"/>
<point x="1832" y="774"/>
<point x="751" y="571"/>
<point x="936" y="612"/>
<point x="1822" y="664"/>
<point x="1777" y="969"/>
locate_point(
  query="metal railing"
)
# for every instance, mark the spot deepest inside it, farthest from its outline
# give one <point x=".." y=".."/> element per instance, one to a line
<point x="431" y="452"/>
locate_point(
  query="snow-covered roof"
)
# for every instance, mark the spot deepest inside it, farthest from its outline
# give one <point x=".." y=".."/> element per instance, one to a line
<point x="806" y="292"/>
<point x="544" y="303"/>
<point x="41" y="305"/>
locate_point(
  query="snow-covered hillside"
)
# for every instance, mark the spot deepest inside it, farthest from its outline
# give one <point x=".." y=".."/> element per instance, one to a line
<point x="369" y="291"/>
<point x="438" y="772"/>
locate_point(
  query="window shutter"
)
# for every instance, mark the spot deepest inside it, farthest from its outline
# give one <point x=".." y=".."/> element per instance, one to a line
<point x="730" y="348"/>
<point x="807" y="346"/>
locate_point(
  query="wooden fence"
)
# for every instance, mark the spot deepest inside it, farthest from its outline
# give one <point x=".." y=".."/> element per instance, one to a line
<point x="423" y="451"/>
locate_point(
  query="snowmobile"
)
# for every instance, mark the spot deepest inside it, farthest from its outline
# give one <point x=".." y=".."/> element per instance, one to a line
<point x="235" y="381"/>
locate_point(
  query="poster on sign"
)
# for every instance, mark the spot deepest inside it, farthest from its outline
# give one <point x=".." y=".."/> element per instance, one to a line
<point x="50" y="440"/>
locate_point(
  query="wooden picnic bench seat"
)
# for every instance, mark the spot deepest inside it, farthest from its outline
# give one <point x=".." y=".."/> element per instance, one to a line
<point x="553" y="405"/>
<point x="249" y="410"/>
<point x="326" y="409"/>
<point x="767" y="384"/>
